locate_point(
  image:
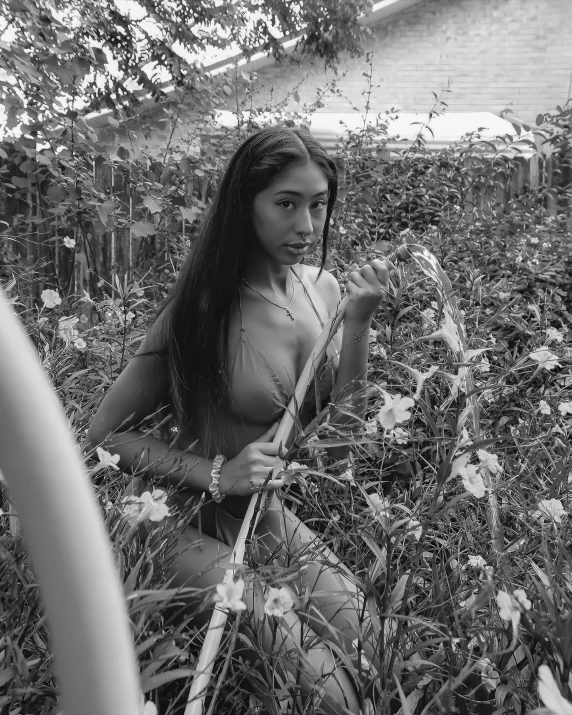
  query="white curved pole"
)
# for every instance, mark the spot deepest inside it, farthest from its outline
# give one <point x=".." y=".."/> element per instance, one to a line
<point x="65" y="536"/>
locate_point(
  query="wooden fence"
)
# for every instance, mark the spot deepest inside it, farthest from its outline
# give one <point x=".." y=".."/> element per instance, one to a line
<point x="32" y="235"/>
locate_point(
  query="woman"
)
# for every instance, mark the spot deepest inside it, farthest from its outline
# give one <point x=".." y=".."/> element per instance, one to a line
<point x="225" y="352"/>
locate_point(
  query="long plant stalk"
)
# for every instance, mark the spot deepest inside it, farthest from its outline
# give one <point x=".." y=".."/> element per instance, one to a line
<point x="213" y="637"/>
<point x="65" y="535"/>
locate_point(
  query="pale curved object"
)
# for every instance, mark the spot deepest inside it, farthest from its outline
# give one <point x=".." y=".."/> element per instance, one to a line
<point x="65" y="536"/>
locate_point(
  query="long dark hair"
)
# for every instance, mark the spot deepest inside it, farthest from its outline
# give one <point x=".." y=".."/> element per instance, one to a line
<point x="196" y="312"/>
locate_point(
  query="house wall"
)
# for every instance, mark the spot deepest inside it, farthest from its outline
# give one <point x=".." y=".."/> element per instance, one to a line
<point x="494" y="53"/>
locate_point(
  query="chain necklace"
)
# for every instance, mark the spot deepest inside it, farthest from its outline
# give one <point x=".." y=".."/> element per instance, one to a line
<point x="288" y="313"/>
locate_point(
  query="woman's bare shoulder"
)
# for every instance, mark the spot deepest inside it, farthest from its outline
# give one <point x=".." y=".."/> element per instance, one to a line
<point x="327" y="285"/>
<point x="154" y="340"/>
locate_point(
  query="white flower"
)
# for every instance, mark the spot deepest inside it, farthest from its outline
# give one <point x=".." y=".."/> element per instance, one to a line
<point x="477" y="562"/>
<point x="229" y="595"/>
<point x="448" y="332"/>
<point x="550" y="508"/>
<point x="520" y="597"/>
<point x="428" y="314"/>
<point x="458" y="383"/>
<point x="544" y="407"/>
<point x="106" y="459"/>
<point x="348" y="476"/>
<point x="472" y="481"/>
<point x="565" y="408"/>
<point x="379" y="350"/>
<point x="380" y="508"/>
<point x="66" y="330"/>
<point x="489" y="461"/>
<point x="372" y="335"/>
<point x="550" y="694"/>
<point x="69" y="242"/>
<point x="554" y="335"/>
<point x="510" y="607"/>
<point x="420" y="377"/>
<point x="545" y="358"/>
<point x="79" y="344"/>
<point x="147" y="506"/>
<point x="489" y="674"/>
<point x="50" y="298"/>
<point x="364" y="662"/>
<point x="395" y="409"/>
<point x="414" y="529"/>
<point x="149" y="708"/>
<point x="293" y="472"/>
<point x="370" y="427"/>
<point x="483" y="366"/>
<point x="398" y="435"/>
<point x="278" y="601"/>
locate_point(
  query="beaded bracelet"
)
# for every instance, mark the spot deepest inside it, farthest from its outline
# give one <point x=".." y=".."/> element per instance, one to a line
<point x="215" y="474"/>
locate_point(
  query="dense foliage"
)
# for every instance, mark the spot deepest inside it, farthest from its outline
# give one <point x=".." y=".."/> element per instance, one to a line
<point x="460" y="537"/>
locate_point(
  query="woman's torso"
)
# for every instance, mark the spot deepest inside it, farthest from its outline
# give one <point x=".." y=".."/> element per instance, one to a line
<point x="267" y="353"/>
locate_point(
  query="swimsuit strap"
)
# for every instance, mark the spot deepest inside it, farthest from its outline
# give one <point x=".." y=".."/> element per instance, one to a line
<point x="308" y="297"/>
<point x="240" y="309"/>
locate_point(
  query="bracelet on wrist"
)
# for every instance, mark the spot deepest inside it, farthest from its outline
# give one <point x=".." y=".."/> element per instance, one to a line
<point x="215" y="477"/>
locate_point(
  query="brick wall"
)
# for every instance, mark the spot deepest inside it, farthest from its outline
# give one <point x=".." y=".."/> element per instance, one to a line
<point x="496" y="53"/>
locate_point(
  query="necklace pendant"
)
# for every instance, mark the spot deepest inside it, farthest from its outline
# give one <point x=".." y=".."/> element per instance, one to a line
<point x="289" y="314"/>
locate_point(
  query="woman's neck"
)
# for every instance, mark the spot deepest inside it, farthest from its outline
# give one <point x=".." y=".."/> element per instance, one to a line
<point x="271" y="278"/>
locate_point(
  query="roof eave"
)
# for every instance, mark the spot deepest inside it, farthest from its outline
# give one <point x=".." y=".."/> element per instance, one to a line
<point x="381" y="11"/>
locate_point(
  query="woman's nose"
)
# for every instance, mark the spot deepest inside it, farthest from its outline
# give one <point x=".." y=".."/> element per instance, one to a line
<point x="304" y="223"/>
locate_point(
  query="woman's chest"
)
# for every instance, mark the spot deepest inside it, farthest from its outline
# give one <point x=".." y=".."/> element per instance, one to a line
<point x="268" y="352"/>
<point x="285" y="342"/>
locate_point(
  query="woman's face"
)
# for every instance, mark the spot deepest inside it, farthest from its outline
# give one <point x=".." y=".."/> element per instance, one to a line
<point x="290" y="214"/>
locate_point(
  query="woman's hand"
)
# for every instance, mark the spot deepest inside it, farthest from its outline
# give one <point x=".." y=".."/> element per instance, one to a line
<point x="248" y="471"/>
<point x="367" y="287"/>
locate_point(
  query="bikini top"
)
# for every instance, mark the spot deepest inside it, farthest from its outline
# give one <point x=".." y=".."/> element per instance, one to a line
<point x="258" y="394"/>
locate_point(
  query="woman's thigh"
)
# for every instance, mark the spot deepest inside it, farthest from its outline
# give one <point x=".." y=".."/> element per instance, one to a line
<point x="199" y="561"/>
<point x="333" y="591"/>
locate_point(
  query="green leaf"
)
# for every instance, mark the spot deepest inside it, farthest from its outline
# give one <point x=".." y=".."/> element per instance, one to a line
<point x="190" y="214"/>
<point x="7" y="675"/>
<point x="154" y="205"/>
<point x="20" y="183"/>
<point x="104" y="210"/>
<point x="397" y="594"/>
<point x="56" y="193"/>
<point x="156" y="681"/>
<point x="142" y="229"/>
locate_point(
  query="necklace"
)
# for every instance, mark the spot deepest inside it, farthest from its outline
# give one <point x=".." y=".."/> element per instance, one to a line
<point x="288" y="313"/>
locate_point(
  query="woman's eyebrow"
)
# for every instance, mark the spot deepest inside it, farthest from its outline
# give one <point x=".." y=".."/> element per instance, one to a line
<point x="297" y="193"/>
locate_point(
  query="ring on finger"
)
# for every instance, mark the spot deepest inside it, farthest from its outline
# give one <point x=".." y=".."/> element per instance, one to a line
<point x="251" y="480"/>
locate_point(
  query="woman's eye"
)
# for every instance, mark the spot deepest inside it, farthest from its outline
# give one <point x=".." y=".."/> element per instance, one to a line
<point x="319" y="205"/>
<point x="284" y="204"/>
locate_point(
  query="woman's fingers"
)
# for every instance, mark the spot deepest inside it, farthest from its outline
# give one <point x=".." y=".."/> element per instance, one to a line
<point x="269" y="434"/>
<point x="268" y="448"/>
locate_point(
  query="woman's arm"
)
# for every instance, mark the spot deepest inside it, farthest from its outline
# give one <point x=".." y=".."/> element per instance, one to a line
<point x="366" y="288"/>
<point x="140" y="391"/>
